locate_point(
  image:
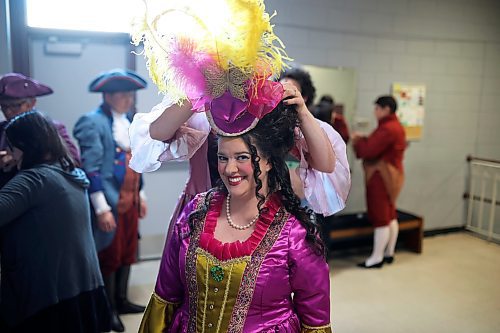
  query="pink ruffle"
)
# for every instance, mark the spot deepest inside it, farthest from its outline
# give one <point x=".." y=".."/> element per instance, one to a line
<point x="237" y="249"/>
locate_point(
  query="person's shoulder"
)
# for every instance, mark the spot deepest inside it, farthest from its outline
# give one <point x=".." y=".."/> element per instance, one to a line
<point x="203" y="199"/>
<point x="294" y="225"/>
<point x="93" y="118"/>
<point x="38" y="175"/>
<point x="394" y="127"/>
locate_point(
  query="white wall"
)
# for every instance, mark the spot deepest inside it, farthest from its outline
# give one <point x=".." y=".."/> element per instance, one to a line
<point x="452" y="46"/>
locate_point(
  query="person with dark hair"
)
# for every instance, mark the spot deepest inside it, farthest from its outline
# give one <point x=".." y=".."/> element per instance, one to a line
<point x="18" y="95"/>
<point x="329" y="112"/>
<point x="327" y="99"/>
<point x="301" y="79"/>
<point x="239" y="251"/>
<point x="50" y="279"/>
<point x="339" y="122"/>
<point x="115" y="190"/>
<point x="382" y="153"/>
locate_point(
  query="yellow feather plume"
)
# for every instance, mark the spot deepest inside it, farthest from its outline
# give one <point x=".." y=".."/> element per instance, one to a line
<point x="233" y="33"/>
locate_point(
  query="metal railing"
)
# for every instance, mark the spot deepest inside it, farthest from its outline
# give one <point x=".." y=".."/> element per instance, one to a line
<point x="483" y="205"/>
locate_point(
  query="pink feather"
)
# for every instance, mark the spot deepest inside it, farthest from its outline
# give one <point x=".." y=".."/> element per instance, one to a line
<point x="188" y="64"/>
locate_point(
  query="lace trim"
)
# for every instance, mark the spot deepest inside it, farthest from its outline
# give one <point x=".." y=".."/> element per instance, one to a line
<point x="191" y="266"/>
<point x="247" y="286"/>
<point x="316" y="327"/>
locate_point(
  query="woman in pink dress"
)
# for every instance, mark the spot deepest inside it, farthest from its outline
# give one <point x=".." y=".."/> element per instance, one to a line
<point x="240" y="256"/>
<point x="247" y="270"/>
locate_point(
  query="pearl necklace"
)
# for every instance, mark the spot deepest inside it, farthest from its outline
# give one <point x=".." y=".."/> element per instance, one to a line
<point x="230" y="221"/>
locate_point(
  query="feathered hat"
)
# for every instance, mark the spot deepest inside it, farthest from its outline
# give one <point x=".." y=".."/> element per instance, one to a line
<point x="221" y="55"/>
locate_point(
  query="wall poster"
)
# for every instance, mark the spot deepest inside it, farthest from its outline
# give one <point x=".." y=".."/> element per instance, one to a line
<point x="411" y="102"/>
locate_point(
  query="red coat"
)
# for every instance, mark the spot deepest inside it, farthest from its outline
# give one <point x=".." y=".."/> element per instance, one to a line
<point x="382" y="154"/>
<point x="340" y="125"/>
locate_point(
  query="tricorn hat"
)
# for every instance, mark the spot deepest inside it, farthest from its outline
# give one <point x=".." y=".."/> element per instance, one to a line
<point x="117" y="80"/>
<point x="17" y="86"/>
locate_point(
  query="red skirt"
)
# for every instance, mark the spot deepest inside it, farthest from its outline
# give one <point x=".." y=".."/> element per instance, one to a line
<point x="380" y="208"/>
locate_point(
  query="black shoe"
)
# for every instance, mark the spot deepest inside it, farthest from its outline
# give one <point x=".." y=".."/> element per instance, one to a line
<point x="378" y="265"/>
<point x="389" y="260"/>
<point x="109" y="286"/>
<point x="125" y="307"/>
<point x="116" y="323"/>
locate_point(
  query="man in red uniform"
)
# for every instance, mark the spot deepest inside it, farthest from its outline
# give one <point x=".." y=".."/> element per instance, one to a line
<point x="382" y="154"/>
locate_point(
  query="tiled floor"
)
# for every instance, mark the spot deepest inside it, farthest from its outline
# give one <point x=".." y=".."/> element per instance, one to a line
<point x="453" y="287"/>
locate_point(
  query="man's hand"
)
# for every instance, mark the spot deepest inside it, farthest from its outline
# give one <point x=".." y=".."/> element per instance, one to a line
<point x="106" y="221"/>
<point x="356" y="136"/>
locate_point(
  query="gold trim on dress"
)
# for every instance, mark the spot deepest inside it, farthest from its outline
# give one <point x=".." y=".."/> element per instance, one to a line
<point x="316" y="329"/>
<point x="219" y="262"/>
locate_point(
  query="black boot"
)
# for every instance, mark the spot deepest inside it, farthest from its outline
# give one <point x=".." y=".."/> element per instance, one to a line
<point x="123" y="305"/>
<point x="109" y="285"/>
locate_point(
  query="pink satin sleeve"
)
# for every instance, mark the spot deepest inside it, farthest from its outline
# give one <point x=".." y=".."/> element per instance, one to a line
<point x="326" y="193"/>
<point x="170" y="283"/>
<point x="309" y="280"/>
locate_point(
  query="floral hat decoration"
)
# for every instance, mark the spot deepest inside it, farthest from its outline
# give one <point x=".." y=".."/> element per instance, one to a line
<point x="221" y="55"/>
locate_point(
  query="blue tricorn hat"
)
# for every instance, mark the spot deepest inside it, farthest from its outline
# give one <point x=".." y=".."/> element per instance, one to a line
<point x="117" y="80"/>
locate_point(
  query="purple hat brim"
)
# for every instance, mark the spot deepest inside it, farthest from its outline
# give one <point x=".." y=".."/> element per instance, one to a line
<point x="242" y="125"/>
<point x="18" y="86"/>
<point x="229" y="116"/>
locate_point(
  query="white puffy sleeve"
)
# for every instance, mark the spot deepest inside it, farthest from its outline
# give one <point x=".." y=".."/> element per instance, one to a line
<point x="148" y="154"/>
<point x="326" y="193"/>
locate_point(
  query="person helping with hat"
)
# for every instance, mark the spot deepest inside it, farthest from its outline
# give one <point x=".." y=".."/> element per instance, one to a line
<point x="115" y="190"/>
<point x="18" y="95"/>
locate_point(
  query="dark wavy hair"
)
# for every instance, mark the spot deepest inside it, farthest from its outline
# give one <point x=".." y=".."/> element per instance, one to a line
<point x="303" y="78"/>
<point x="37" y="137"/>
<point x="273" y="138"/>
